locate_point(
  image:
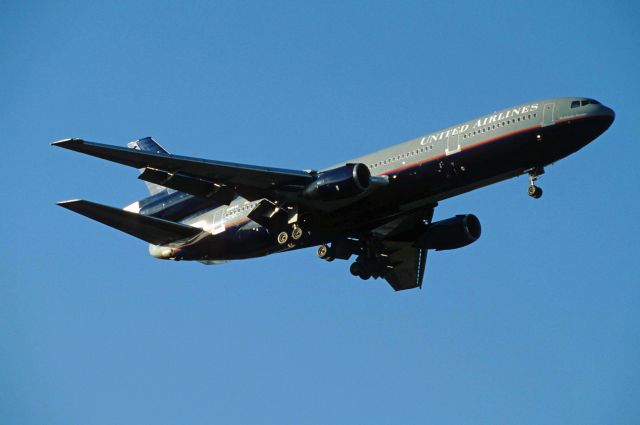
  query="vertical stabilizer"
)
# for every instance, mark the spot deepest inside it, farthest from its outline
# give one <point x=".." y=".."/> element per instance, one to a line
<point x="147" y="144"/>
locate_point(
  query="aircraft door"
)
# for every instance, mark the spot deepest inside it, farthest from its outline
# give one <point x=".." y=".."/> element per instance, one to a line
<point x="453" y="144"/>
<point x="548" y="114"/>
<point x="218" y="220"/>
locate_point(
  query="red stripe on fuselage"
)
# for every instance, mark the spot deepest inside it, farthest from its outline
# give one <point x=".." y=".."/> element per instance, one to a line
<point x="480" y="143"/>
<point x="435" y="158"/>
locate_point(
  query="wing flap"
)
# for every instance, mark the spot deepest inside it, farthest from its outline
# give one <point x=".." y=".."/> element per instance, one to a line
<point x="406" y="268"/>
<point x="405" y="262"/>
<point x="150" y="229"/>
<point x="187" y="184"/>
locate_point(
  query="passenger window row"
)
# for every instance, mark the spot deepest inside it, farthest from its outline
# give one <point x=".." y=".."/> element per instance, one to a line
<point x="236" y="210"/>
<point x="488" y="128"/>
<point x="483" y="130"/>
<point x="423" y="149"/>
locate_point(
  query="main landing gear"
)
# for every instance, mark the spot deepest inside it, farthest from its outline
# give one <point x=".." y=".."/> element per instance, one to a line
<point x="342" y="250"/>
<point x="534" y="191"/>
<point x="359" y="269"/>
<point x="326" y="253"/>
<point x="295" y="234"/>
<point x="365" y="267"/>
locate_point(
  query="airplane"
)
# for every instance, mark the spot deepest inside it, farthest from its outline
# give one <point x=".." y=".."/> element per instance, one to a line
<point x="378" y="207"/>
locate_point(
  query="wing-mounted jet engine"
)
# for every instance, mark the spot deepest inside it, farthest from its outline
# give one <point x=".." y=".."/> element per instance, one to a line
<point x="452" y="233"/>
<point x="397" y="252"/>
<point x="348" y="181"/>
<point x="330" y="190"/>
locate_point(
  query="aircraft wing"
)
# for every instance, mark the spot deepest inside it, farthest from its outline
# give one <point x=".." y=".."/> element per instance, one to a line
<point x="153" y="230"/>
<point x="405" y="265"/>
<point x="195" y="175"/>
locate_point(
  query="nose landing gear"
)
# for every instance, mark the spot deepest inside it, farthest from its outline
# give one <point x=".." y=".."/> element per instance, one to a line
<point x="534" y="191"/>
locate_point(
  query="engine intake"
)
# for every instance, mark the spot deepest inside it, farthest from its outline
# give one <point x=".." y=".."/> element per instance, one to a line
<point x="452" y="233"/>
<point x="340" y="183"/>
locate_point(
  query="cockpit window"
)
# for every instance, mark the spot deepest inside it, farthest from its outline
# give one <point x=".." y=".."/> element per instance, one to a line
<point x="585" y="102"/>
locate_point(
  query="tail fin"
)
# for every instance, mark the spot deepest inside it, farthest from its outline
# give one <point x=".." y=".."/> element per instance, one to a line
<point x="147" y="144"/>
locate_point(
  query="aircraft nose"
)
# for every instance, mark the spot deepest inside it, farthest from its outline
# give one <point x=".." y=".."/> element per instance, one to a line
<point x="607" y="113"/>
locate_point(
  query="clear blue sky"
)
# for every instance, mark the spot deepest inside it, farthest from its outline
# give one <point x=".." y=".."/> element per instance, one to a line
<point x="537" y="323"/>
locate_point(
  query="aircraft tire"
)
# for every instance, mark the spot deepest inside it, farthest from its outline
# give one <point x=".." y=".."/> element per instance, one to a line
<point x="296" y="233"/>
<point x="538" y="193"/>
<point x="534" y="191"/>
<point x="283" y="237"/>
<point x="325" y="253"/>
<point x="355" y="269"/>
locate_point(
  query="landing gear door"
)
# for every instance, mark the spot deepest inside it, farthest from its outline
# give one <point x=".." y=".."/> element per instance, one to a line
<point x="548" y="111"/>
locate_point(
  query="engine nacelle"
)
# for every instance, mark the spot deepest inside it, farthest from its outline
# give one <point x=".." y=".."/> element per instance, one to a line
<point x="340" y="183"/>
<point x="452" y="233"/>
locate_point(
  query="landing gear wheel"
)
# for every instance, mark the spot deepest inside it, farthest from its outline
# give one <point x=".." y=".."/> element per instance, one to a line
<point x="534" y="191"/>
<point x="355" y="269"/>
<point x="365" y="275"/>
<point x="325" y="253"/>
<point x="323" y="250"/>
<point x="283" y="237"/>
<point x="296" y="233"/>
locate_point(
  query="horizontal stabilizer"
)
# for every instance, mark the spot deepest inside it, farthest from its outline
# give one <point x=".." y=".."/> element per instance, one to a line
<point x="153" y="230"/>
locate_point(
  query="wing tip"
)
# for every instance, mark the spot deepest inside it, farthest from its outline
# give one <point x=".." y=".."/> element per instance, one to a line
<point x="67" y="143"/>
<point x="71" y="203"/>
